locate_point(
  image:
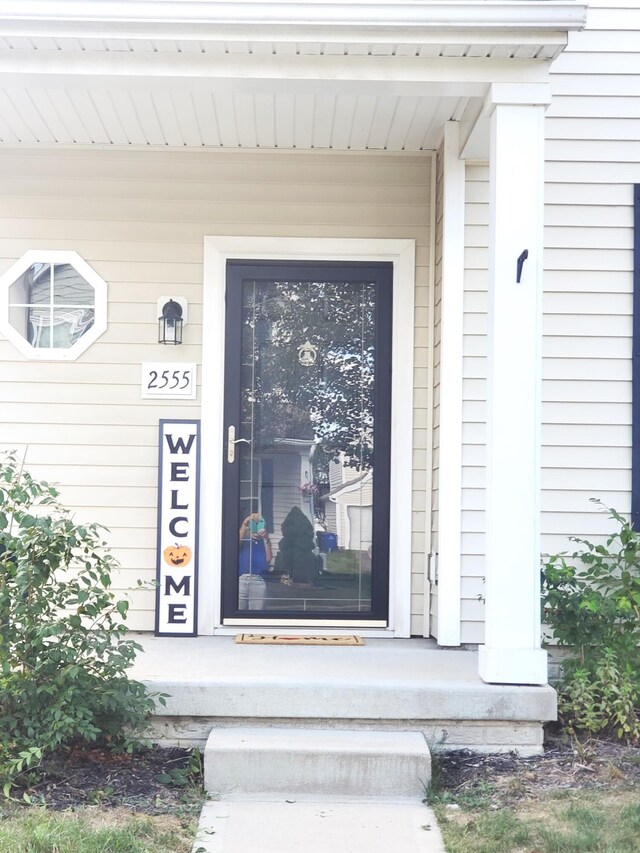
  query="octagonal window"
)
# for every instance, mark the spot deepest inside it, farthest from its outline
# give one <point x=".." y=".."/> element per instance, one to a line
<point x="53" y="305"/>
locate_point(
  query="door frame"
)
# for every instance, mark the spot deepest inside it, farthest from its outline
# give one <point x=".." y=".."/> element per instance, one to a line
<point x="379" y="278"/>
<point x="217" y="251"/>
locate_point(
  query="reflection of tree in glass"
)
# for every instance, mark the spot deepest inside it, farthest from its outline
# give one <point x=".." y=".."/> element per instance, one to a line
<point x="329" y="401"/>
<point x="296" y="556"/>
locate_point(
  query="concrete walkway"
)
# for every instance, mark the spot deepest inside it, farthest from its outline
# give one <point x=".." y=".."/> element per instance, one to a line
<point x="286" y="826"/>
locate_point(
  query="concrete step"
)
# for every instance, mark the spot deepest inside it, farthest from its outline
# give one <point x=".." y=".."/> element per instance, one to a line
<point x="316" y="763"/>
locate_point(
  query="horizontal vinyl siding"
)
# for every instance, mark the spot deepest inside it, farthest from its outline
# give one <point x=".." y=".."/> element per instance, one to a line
<point x="474" y="403"/>
<point x="592" y="161"/>
<point x="139" y="219"/>
<point x="421" y="435"/>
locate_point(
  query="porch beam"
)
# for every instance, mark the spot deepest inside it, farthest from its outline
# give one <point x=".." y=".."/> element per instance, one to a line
<point x="451" y="338"/>
<point x="512" y="653"/>
<point x="441" y="76"/>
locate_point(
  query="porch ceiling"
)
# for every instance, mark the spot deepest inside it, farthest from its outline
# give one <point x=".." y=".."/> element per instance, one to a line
<point x="201" y="73"/>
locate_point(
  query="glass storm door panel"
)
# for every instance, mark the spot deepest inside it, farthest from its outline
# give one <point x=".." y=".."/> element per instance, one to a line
<point x="307" y="442"/>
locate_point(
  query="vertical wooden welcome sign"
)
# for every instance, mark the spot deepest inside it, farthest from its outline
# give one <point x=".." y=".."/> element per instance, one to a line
<point x="177" y="559"/>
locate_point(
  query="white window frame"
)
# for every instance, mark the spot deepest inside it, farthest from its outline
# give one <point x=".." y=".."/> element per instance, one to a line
<point x="56" y="257"/>
<point x="217" y="251"/>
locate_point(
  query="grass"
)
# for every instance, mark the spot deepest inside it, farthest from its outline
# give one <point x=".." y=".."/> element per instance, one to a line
<point x="343" y="562"/>
<point x="92" y="830"/>
<point x="573" y="822"/>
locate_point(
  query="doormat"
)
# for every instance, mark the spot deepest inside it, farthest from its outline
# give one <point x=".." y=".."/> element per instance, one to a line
<point x="306" y="640"/>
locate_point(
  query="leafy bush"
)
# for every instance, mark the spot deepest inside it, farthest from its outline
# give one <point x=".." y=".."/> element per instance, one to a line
<point x="592" y="602"/>
<point x="63" y="652"/>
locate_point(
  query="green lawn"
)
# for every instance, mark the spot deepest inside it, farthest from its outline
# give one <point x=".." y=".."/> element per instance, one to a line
<point x="34" y="829"/>
<point x="584" y="821"/>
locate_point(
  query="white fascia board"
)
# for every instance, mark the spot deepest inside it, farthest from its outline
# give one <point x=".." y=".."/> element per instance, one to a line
<point x="279" y="33"/>
<point x="544" y="15"/>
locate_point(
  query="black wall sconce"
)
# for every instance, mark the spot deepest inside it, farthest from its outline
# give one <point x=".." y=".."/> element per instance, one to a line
<point x="170" y="324"/>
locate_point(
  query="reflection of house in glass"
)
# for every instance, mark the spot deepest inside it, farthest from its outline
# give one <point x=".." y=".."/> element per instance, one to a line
<point x="284" y="467"/>
<point x="51" y="305"/>
<point x="349" y="505"/>
<point x="307" y="394"/>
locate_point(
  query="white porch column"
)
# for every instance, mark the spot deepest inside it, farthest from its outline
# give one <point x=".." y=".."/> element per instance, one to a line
<point x="512" y="653"/>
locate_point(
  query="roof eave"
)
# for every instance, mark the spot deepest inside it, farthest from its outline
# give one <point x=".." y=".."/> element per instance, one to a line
<point x="261" y="15"/>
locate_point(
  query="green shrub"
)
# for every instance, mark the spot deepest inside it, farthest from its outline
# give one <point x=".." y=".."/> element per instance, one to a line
<point x="591" y="600"/>
<point x="63" y="652"/>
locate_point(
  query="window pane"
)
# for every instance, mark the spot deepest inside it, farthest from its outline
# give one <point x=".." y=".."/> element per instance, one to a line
<point x="20" y="290"/>
<point x="19" y="319"/>
<point x="70" y="324"/>
<point x="52" y="303"/>
<point x="306" y="456"/>
<point x="70" y="288"/>
<point x="39" y="326"/>
<point x="59" y="328"/>
<point x="45" y="325"/>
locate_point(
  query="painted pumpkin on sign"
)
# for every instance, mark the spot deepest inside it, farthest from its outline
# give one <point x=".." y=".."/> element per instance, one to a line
<point x="177" y="555"/>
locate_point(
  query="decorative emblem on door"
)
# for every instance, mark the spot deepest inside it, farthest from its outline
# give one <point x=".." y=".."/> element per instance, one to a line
<point x="307" y="354"/>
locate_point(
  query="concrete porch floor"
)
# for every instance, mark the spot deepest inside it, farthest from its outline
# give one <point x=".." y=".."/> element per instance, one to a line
<point x="389" y="684"/>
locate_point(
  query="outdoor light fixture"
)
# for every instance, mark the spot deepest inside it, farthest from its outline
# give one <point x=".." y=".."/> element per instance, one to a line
<point x="170" y="324"/>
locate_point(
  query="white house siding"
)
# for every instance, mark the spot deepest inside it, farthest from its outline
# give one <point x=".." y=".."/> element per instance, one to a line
<point x="474" y="407"/>
<point x="286" y="492"/>
<point x="592" y="161"/>
<point x="421" y="482"/>
<point x="139" y="219"/>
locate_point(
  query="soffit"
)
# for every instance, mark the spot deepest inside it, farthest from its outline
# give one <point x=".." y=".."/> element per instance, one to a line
<point x="359" y="75"/>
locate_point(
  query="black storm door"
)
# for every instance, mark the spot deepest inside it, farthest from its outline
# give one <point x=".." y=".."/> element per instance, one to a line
<point x="307" y="442"/>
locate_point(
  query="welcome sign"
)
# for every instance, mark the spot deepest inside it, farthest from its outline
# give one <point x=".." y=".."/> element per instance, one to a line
<point x="177" y="559"/>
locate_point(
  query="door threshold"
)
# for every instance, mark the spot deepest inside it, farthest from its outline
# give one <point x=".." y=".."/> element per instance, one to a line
<point x="371" y="633"/>
<point x="304" y="626"/>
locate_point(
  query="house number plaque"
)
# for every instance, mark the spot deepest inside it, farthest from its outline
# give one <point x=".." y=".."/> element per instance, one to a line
<point x="173" y="380"/>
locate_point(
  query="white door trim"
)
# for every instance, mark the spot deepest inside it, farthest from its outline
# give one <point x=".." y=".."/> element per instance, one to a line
<point x="217" y="250"/>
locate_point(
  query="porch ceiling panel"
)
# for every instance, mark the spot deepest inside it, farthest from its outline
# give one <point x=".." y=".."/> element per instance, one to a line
<point x="161" y="117"/>
<point x="365" y="74"/>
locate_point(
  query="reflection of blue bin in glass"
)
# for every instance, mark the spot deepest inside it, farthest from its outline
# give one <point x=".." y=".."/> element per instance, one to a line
<point x="327" y="542"/>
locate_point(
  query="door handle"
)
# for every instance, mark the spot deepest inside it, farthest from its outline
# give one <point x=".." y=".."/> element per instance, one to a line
<point x="231" y="443"/>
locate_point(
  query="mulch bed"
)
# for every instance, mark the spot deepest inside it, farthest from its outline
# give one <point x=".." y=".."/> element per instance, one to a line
<point x="160" y="781"/>
<point x="597" y="763"/>
<point x="154" y="781"/>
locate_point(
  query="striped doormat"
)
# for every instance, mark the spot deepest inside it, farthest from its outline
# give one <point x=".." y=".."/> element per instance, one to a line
<point x="304" y="640"/>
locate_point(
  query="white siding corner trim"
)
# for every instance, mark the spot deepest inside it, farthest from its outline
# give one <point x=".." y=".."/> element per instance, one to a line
<point x="451" y="391"/>
<point x="217" y="250"/>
